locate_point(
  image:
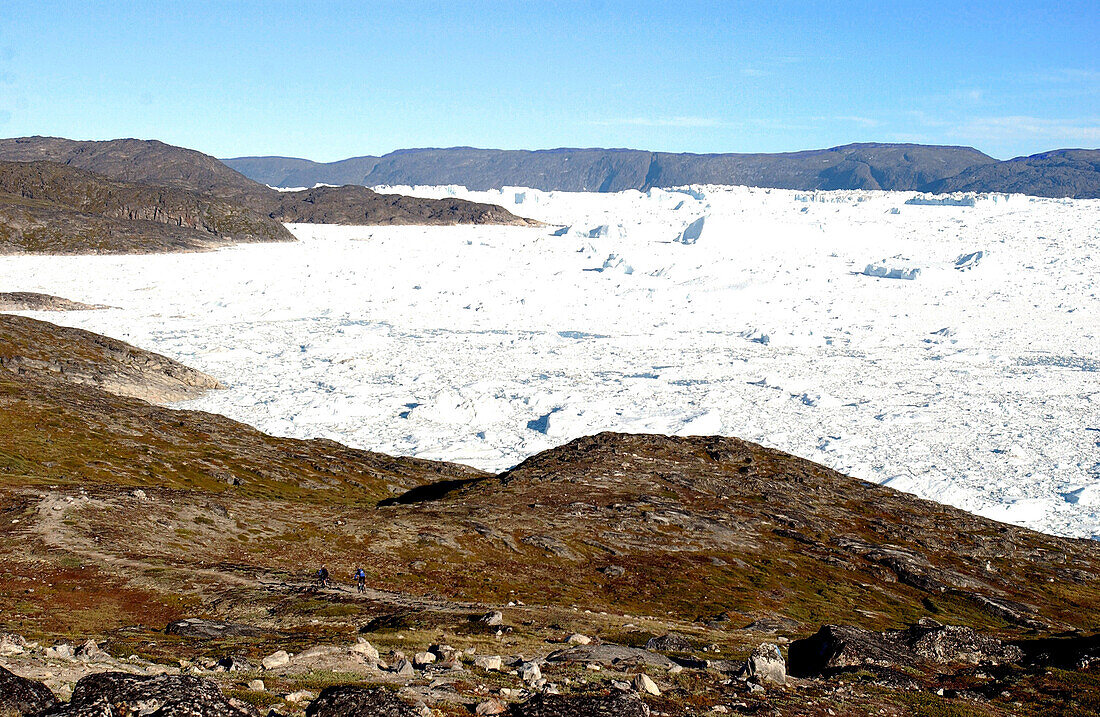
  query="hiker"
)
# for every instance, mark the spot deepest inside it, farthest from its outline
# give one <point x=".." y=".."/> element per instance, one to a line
<point x="361" y="580"/>
<point x="322" y="576"/>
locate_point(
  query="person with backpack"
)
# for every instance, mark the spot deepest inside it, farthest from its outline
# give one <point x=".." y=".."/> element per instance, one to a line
<point x="361" y="580"/>
<point x="322" y="576"/>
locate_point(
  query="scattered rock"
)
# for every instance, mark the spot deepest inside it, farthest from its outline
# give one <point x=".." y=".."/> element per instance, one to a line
<point x="257" y="686"/>
<point x="276" y="660"/>
<point x="20" y="696"/>
<point x="354" y="701"/>
<point x="211" y="629"/>
<point x="613" y="571"/>
<point x="11" y="644"/>
<point x="61" y="651"/>
<point x="578" y="639"/>
<point x="423" y="659"/>
<point x="404" y="668"/>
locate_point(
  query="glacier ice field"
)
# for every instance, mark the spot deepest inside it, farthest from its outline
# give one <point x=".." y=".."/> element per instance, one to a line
<point x="948" y="347"/>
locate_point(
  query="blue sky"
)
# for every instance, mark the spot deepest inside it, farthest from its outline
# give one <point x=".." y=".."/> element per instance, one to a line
<point x="328" y="80"/>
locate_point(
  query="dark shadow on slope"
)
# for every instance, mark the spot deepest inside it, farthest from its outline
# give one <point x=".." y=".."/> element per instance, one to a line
<point x="429" y="492"/>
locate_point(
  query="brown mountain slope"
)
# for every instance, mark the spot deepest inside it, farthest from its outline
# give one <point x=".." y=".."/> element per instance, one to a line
<point x="159" y="164"/>
<point x="50" y="207"/>
<point x="621" y="537"/>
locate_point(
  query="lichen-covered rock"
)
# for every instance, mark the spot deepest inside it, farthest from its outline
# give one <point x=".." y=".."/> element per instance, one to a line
<point x="766" y="664"/>
<point x="127" y="695"/>
<point x="21" y="696"/>
<point x="353" y="701"/>
<point x="618" y="705"/>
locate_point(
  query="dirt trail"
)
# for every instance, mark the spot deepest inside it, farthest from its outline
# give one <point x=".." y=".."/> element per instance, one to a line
<point x="55" y="507"/>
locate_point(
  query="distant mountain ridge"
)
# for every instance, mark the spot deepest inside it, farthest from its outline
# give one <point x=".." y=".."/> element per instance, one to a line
<point x="899" y="167"/>
<point x="111" y="183"/>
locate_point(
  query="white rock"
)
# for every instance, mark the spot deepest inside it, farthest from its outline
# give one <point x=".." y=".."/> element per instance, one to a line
<point x="578" y="639"/>
<point x="275" y="660"/>
<point x="530" y="672"/>
<point x="643" y="683"/>
<point x="256" y="686"/>
<point x="422" y="659"/>
<point x="299" y="696"/>
<point x="489" y="662"/>
<point x="365" y="649"/>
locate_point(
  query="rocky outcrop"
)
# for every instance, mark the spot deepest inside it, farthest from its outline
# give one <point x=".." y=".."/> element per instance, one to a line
<point x="353" y="701"/>
<point x="581" y="706"/>
<point x="124" y="695"/>
<point x="36" y="348"/>
<point x="842" y="646"/>
<point x="30" y="301"/>
<point x="176" y="172"/>
<point x="47" y="207"/>
<point x="20" y="696"/>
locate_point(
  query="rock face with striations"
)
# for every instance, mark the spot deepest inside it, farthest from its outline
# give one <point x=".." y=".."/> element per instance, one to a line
<point x="842" y="646"/>
<point x="53" y="208"/>
<point x="37" y="348"/>
<point x="30" y="301"/>
<point x="20" y="696"/>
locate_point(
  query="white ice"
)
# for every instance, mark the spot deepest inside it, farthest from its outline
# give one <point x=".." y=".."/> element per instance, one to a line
<point x="746" y="312"/>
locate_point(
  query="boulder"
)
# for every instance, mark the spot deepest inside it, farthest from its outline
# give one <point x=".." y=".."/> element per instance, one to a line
<point x="20" y="696"/>
<point x="276" y="660"/>
<point x="645" y="684"/>
<point x="612" y="655"/>
<point x="91" y="652"/>
<point x="11" y="644"/>
<point x="940" y="643"/>
<point x="530" y="672"/>
<point x="491" y="706"/>
<point x="364" y="648"/>
<point x="166" y="695"/>
<point x="615" y="705"/>
<point x="354" y="701"/>
<point x="493" y="619"/>
<point x="423" y="659"/>
<point x="840" y="646"/>
<point x="489" y="662"/>
<point x="766" y="664"/>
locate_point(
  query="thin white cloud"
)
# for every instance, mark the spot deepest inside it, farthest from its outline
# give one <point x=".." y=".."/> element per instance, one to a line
<point x="851" y="119"/>
<point x="678" y="121"/>
<point x="1023" y="127"/>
